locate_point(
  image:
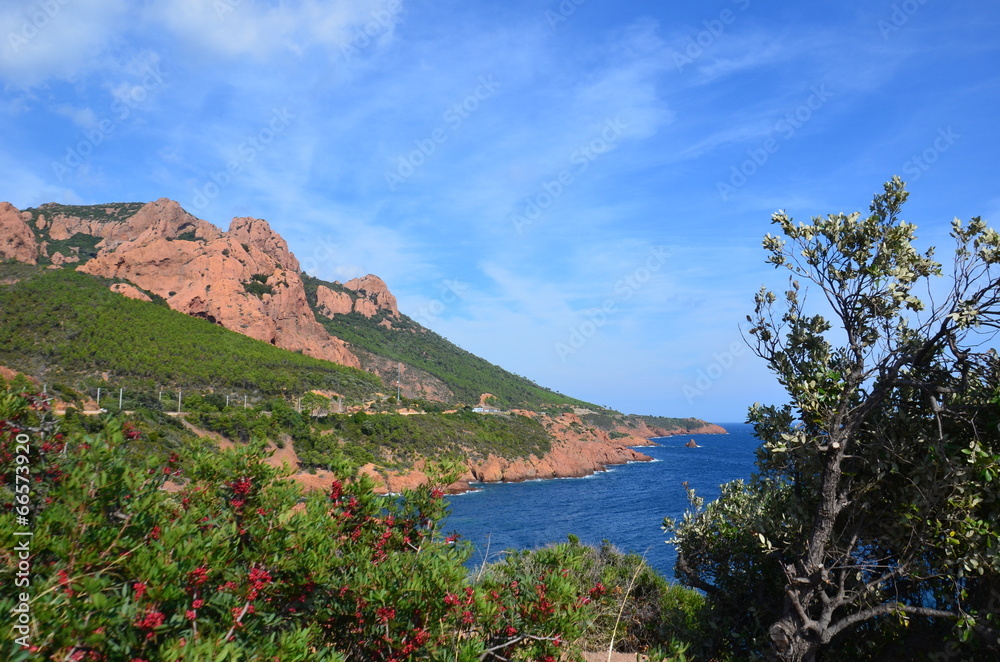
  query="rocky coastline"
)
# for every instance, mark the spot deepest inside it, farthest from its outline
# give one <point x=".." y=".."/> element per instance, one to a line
<point x="577" y="451"/>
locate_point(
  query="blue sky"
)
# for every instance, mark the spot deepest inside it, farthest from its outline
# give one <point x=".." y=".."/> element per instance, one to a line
<point x="575" y="190"/>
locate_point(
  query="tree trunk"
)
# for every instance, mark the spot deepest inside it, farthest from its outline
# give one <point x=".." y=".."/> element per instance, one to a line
<point x="789" y="643"/>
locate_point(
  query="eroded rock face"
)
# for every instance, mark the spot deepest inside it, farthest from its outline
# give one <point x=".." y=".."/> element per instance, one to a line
<point x="17" y="241"/>
<point x="375" y="296"/>
<point x="245" y="280"/>
<point x="256" y="232"/>
<point x="372" y="297"/>
<point x="332" y="303"/>
<point x="162" y="219"/>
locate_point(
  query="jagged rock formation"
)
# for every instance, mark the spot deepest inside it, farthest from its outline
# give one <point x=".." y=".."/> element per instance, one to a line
<point x="245" y="279"/>
<point x="375" y="296"/>
<point x="367" y="296"/>
<point x="17" y="241"/>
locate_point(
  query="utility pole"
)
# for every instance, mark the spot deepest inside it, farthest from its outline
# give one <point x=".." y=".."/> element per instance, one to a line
<point x="178" y="401"/>
<point x="244" y="401"/>
<point x="399" y="376"/>
<point x="98" y="398"/>
<point x="227" y="401"/>
<point x="121" y="392"/>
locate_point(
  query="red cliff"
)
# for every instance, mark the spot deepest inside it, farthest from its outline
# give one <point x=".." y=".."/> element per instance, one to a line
<point x="245" y="280"/>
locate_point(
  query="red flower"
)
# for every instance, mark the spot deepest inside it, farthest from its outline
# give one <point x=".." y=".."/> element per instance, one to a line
<point x="259" y="578"/>
<point x="385" y="614"/>
<point x="139" y="588"/>
<point x="152" y="619"/>
<point x="198" y="576"/>
<point x="241" y="486"/>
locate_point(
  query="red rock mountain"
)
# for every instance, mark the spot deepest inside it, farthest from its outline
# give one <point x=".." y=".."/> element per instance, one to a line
<point x="244" y="279"/>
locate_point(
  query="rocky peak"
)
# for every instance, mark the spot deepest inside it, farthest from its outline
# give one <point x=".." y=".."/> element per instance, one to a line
<point x="17" y="241"/>
<point x="375" y="293"/>
<point x="257" y="233"/>
<point x="162" y="219"/>
<point x="245" y="280"/>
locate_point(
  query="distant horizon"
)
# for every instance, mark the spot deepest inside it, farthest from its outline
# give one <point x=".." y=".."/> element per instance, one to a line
<point x="574" y="191"/>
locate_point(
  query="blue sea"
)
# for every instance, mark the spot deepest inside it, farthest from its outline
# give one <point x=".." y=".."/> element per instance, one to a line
<point x="624" y="505"/>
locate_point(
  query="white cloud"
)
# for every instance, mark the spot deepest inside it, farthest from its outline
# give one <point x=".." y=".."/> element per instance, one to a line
<point x="243" y="28"/>
<point x="60" y="39"/>
<point x="85" y="118"/>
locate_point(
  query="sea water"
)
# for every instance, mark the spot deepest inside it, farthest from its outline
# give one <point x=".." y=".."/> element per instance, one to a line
<point x="624" y="505"/>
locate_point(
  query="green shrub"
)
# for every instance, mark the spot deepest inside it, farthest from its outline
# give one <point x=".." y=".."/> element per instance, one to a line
<point x="635" y="608"/>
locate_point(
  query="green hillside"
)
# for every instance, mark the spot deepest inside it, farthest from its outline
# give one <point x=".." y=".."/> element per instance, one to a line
<point x="467" y="375"/>
<point x="61" y="325"/>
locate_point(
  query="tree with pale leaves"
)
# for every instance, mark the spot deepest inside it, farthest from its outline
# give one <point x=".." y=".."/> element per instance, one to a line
<point x="873" y="526"/>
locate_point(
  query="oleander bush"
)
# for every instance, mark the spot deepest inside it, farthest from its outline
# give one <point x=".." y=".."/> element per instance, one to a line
<point x="239" y="564"/>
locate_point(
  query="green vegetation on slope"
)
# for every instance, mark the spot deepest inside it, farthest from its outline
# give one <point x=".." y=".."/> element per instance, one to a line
<point x="391" y="441"/>
<point x="396" y="441"/>
<point x="666" y="422"/>
<point x="467" y="375"/>
<point x="610" y="421"/>
<point x="69" y="326"/>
